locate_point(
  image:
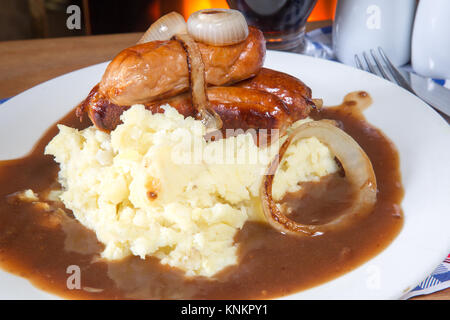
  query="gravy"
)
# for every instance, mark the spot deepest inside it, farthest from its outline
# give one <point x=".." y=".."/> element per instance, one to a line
<point x="41" y="243"/>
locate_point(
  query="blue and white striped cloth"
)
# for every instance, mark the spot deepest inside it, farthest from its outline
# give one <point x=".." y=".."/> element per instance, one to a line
<point x="438" y="280"/>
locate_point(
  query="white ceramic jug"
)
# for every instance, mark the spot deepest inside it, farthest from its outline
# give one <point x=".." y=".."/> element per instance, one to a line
<point x="430" y="54"/>
<point x="361" y="25"/>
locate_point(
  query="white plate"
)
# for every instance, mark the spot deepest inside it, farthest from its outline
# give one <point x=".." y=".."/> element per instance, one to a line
<point x="420" y="134"/>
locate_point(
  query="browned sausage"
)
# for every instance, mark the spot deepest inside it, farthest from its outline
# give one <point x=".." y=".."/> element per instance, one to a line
<point x="271" y="100"/>
<point x="158" y="69"/>
<point x="239" y="108"/>
<point x="294" y="93"/>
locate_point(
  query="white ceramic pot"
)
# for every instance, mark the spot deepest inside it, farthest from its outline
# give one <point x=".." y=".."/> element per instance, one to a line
<point x="430" y="55"/>
<point x="361" y="25"/>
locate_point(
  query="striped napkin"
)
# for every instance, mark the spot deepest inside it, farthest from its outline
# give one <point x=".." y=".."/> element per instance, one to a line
<point x="319" y="45"/>
<point x="438" y="280"/>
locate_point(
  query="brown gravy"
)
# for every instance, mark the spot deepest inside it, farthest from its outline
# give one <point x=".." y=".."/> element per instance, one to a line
<point x="40" y="244"/>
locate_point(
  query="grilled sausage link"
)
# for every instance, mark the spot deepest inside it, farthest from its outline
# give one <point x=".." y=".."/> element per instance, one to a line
<point x="270" y="100"/>
<point x="158" y="69"/>
<point x="239" y="108"/>
<point x="294" y="93"/>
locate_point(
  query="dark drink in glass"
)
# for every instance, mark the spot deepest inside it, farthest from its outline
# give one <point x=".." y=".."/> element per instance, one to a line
<point x="282" y="21"/>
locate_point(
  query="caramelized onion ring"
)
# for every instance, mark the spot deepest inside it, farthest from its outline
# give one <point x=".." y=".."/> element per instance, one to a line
<point x="197" y="83"/>
<point x="218" y="27"/>
<point x="165" y="28"/>
<point x="358" y="170"/>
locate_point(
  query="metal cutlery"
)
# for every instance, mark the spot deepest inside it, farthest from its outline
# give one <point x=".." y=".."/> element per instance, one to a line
<point x="380" y="65"/>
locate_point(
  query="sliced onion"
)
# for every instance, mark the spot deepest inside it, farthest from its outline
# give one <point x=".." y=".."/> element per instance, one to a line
<point x="197" y="83"/>
<point x="358" y="170"/>
<point x="318" y="103"/>
<point x="165" y="28"/>
<point x="218" y="27"/>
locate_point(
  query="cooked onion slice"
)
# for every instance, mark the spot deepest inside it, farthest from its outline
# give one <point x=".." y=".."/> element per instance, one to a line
<point x="318" y="103"/>
<point x="358" y="170"/>
<point x="165" y="28"/>
<point x="218" y="27"/>
<point x="197" y="83"/>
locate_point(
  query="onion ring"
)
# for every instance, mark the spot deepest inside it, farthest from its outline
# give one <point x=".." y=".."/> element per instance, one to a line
<point x="218" y="27"/>
<point x="165" y="28"/>
<point x="358" y="170"/>
<point x="197" y="83"/>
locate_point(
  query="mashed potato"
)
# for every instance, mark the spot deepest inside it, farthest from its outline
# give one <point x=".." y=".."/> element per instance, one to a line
<point x="155" y="187"/>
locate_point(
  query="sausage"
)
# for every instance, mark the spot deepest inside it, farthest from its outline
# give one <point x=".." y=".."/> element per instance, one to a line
<point x="270" y="100"/>
<point x="239" y="108"/>
<point x="294" y="93"/>
<point x="159" y="69"/>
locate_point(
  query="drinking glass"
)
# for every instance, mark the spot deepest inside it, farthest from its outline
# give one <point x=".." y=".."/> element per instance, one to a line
<point x="282" y="21"/>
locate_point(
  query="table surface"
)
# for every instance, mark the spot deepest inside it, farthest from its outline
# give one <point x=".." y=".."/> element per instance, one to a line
<point x="26" y="63"/>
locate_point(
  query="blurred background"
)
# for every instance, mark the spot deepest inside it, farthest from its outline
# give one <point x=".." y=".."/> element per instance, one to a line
<point x="31" y="19"/>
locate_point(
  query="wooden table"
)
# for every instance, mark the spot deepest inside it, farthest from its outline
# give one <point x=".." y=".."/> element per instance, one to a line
<point x="26" y="63"/>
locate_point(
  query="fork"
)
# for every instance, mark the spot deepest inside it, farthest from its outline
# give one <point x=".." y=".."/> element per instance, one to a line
<point x="401" y="81"/>
<point x="396" y="75"/>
